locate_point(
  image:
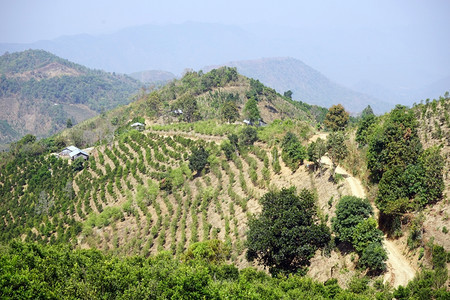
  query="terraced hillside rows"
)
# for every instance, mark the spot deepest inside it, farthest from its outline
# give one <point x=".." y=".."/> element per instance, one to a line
<point x="137" y="195"/>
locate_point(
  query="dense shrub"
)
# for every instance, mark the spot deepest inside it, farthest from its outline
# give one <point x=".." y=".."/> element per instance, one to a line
<point x="293" y="152"/>
<point x="350" y="211"/>
<point x="285" y="236"/>
<point x="198" y="159"/>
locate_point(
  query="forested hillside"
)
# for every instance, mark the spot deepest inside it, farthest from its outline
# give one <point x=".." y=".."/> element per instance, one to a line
<point x="40" y="92"/>
<point x="173" y="201"/>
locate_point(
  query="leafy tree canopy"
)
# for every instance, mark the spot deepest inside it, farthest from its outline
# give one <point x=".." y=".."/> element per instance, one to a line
<point x="365" y="128"/>
<point x="248" y="136"/>
<point x="285" y="236"/>
<point x="350" y="211"/>
<point x="337" y="149"/>
<point x="188" y="104"/>
<point x="288" y="94"/>
<point x="229" y="111"/>
<point x="336" y="118"/>
<point x="374" y="257"/>
<point x="293" y="151"/>
<point x="316" y="150"/>
<point x="198" y="159"/>
<point x="394" y="143"/>
<point x="251" y="110"/>
<point x="367" y="112"/>
<point x="366" y="233"/>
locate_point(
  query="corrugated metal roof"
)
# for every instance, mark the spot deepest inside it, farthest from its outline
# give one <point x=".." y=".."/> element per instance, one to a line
<point x="71" y="148"/>
<point x="75" y="153"/>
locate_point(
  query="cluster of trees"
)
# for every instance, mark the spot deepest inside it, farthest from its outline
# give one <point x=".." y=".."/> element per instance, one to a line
<point x="354" y="224"/>
<point x="30" y="60"/>
<point x="429" y="283"/>
<point x="197" y="83"/>
<point x="251" y="110"/>
<point x="315" y="151"/>
<point x="337" y="118"/>
<point x="408" y="177"/>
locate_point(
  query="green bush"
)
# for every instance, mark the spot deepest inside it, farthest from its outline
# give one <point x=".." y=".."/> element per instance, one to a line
<point x="366" y="233"/>
<point x="248" y="136"/>
<point x="350" y="211"/>
<point x="198" y="159"/>
<point x="373" y="257"/>
<point x="293" y="152"/>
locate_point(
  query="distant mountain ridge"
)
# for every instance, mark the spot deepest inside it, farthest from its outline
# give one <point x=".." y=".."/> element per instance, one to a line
<point x="191" y="45"/>
<point x="39" y="92"/>
<point x="151" y="47"/>
<point x="306" y="83"/>
<point x="153" y="76"/>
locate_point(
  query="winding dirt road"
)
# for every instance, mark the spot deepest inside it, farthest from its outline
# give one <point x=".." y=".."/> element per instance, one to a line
<point x="399" y="271"/>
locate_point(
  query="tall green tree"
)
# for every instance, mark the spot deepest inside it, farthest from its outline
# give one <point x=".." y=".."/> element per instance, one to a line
<point x="366" y="233"/>
<point x="287" y="232"/>
<point x="251" y="110"/>
<point x="229" y="111"/>
<point x="337" y="149"/>
<point x="336" y="118"/>
<point x="198" y="159"/>
<point x="248" y="136"/>
<point x="395" y="143"/>
<point x="188" y="104"/>
<point x="315" y="152"/>
<point x="365" y="126"/>
<point x="153" y="103"/>
<point x="432" y="184"/>
<point x="368" y="111"/>
<point x="288" y="94"/>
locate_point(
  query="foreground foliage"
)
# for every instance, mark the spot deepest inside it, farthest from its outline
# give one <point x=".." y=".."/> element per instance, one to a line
<point x="30" y="271"/>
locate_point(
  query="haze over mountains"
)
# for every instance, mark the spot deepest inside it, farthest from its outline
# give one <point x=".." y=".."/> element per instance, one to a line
<point x="306" y="83"/>
<point x="363" y="56"/>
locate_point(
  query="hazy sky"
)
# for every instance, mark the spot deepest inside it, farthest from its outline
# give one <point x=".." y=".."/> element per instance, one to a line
<point x="32" y="20"/>
<point x="367" y="37"/>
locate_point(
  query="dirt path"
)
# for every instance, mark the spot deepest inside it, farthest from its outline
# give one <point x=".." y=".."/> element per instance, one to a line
<point x="399" y="270"/>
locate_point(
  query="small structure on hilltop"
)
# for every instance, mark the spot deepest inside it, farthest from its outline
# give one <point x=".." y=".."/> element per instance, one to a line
<point x="177" y="112"/>
<point x="259" y="123"/>
<point x="73" y="153"/>
<point x="139" y="126"/>
<point x="66" y="151"/>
